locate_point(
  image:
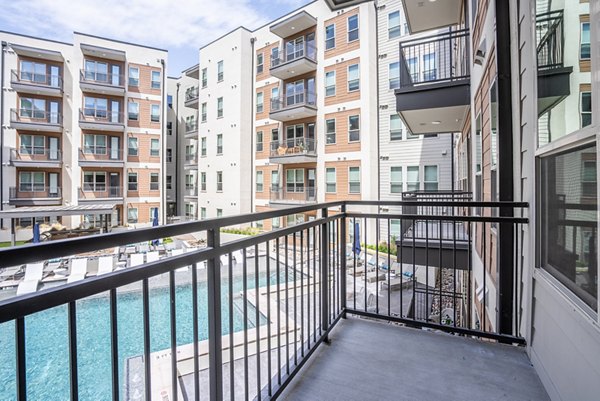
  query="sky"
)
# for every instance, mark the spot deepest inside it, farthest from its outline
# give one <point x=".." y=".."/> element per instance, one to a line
<point x="179" y="26"/>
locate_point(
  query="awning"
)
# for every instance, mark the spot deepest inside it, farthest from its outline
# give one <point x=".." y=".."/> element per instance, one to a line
<point x="50" y="211"/>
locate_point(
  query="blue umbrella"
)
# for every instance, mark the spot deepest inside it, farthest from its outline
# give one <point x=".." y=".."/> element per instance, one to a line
<point x="356" y="246"/>
<point x="155" y="224"/>
<point x="36" y="233"/>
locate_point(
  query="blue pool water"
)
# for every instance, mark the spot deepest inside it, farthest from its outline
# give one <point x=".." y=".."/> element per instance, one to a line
<point x="47" y="339"/>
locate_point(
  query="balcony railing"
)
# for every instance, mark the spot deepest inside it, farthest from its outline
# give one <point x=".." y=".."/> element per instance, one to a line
<point x="191" y="127"/>
<point x="265" y="301"/>
<point x="100" y="154"/>
<point x="99" y="191"/>
<point x="35" y="116"/>
<point x="550" y="40"/>
<point x="28" y="191"/>
<point x="293" y="195"/>
<point x="438" y="58"/>
<point x="51" y="81"/>
<point x="102" y="78"/>
<point x="191" y="158"/>
<point x="191" y="191"/>
<point x="191" y="94"/>
<point x="293" y="147"/>
<point x="100" y="116"/>
<point x="35" y="155"/>
<point x="307" y="50"/>
<point x="293" y="100"/>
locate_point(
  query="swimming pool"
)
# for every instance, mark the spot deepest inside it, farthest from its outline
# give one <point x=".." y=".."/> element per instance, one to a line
<point x="47" y="338"/>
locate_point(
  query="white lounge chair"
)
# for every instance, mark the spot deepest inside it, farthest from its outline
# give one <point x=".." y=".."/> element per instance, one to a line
<point x="9" y="272"/>
<point x="143" y="247"/>
<point x="178" y="252"/>
<point x="31" y="281"/>
<point x="136" y="259"/>
<point x="225" y="260"/>
<point x="152" y="256"/>
<point x="78" y="270"/>
<point x="105" y="264"/>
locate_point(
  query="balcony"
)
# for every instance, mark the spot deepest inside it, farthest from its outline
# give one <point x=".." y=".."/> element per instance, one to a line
<point x="434" y="83"/>
<point x="268" y="303"/>
<point x="35" y="120"/>
<point x="100" y="193"/>
<point x="101" y="120"/>
<point x="293" y="106"/>
<point x="190" y="191"/>
<point x="423" y="16"/>
<point x="36" y="195"/>
<point x="283" y="196"/>
<point x="191" y="97"/>
<point x="36" y="158"/>
<point x="295" y="150"/>
<point x="191" y="130"/>
<point x="191" y="159"/>
<point x="36" y="84"/>
<point x="101" y="157"/>
<point x="102" y="83"/>
<point x="298" y="61"/>
<point x="293" y="24"/>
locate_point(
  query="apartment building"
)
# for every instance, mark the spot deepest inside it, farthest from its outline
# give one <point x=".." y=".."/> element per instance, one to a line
<point x="82" y="124"/>
<point x="521" y="94"/>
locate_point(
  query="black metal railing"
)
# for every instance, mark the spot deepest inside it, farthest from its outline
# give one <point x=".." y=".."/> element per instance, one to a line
<point x="263" y="301"/>
<point x="437" y="58"/>
<point x="100" y="154"/>
<point x="550" y="40"/>
<point x="293" y="147"/>
<point x="293" y="100"/>
<point x="191" y="127"/>
<point x="296" y="52"/>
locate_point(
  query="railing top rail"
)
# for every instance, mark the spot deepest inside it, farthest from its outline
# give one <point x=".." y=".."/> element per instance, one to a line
<point x="436" y="37"/>
<point x="550" y="15"/>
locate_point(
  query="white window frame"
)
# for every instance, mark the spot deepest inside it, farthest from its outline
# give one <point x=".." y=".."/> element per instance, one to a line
<point x="357" y="29"/>
<point x="203" y="146"/>
<point x="350" y="82"/>
<point x="220" y="107"/>
<point x="134" y="183"/>
<point x="203" y="181"/>
<point x="328" y="182"/>
<point x="204" y="77"/>
<point x="260" y="102"/>
<point x="395" y="185"/>
<point x="155" y="113"/>
<point x="260" y="181"/>
<point x="329" y="134"/>
<point x="331" y="38"/>
<point x="154" y="186"/>
<point x="220" y="71"/>
<point x="133" y="79"/>
<point x="203" y="112"/>
<point x="219" y="181"/>
<point x="394" y="132"/>
<point x="394" y="27"/>
<point x="133" y="115"/>
<point x="437" y="176"/>
<point x="260" y="65"/>
<point x="350" y="168"/>
<point x="330" y="86"/>
<point x="219" y="144"/>
<point x="350" y="140"/>
<point x="413" y="183"/>
<point x="132" y="211"/>
<point x="154" y="150"/>
<point x="133" y="151"/>
<point x="155" y="83"/>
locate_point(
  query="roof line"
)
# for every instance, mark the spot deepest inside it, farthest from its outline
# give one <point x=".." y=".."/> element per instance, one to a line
<point x="120" y="41"/>
<point x="222" y="36"/>
<point x="285" y="15"/>
<point x="36" y="37"/>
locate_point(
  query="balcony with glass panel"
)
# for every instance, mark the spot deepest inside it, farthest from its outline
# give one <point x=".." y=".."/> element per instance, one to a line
<point x="99" y="117"/>
<point x="35" y="193"/>
<point x="36" y="156"/>
<point x="297" y="147"/>
<point x="298" y="102"/>
<point x="191" y="97"/>
<point x="100" y="155"/>
<point x="299" y="186"/>
<point x="34" y="115"/>
<point x="191" y="129"/>
<point x="298" y="57"/>
<point x="101" y="187"/>
<point x="37" y="81"/>
<point x="102" y="81"/>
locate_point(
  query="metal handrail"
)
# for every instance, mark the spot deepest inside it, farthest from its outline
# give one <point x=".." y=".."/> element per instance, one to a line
<point x="303" y="98"/>
<point x="308" y="51"/>
<point x="99" y="115"/>
<point x="94" y="153"/>
<point x="191" y="127"/>
<point x="102" y="78"/>
<point x="192" y="93"/>
<point x="293" y="146"/>
<point x="550" y="40"/>
<point x="52" y="81"/>
<point x="307" y="194"/>
<point x="38" y="154"/>
<point x="36" y="191"/>
<point x="111" y="192"/>
<point x="35" y="116"/>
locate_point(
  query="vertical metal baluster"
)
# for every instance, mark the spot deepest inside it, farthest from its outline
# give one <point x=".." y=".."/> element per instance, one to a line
<point x="231" y="329"/>
<point x="114" y="345"/>
<point x="343" y="259"/>
<point x="295" y="304"/>
<point x="173" y="318"/>
<point x="454" y="268"/>
<point x="269" y="367"/>
<point x="73" y="376"/>
<point x="427" y="270"/>
<point x="441" y="270"/>
<point x="257" y="322"/>
<point x="402" y="235"/>
<point x="414" y="267"/>
<point x="278" y="312"/>
<point x="517" y="283"/>
<point x="324" y="259"/>
<point x="484" y="314"/>
<point x="21" y="361"/>
<point x="389" y="269"/>
<point x="302" y="293"/>
<point x="245" y="311"/>
<point x="287" y="308"/>
<point x="195" y="334"/>
<point x="146" y="316"/>
<point x="308" y="332"/>
<point x="377" y="265"/>
<point x="330" y="271"/>
<point x="315" y="242"/>
<point x="354" y="257"/>
<point x="469" y="277"/>
<point x="215" y="333"/>
<point x="366" y="266"/>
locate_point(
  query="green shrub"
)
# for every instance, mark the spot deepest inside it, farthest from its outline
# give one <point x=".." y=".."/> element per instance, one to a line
<point x="241" y="231"/>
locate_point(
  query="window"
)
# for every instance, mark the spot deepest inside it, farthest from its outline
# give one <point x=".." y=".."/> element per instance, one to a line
<point x="259" y="102"/>
<point x="429" y="70"/>
<point x="204" y="78"/>
<point x="586" y="109"/>
<point x="132" y="146"/>
<point x="154" y="147"/>
<point x="275" y="181"/>
<point x="330" y="131"/>
<point x="94" y="144"/>
<point x="259" y="141"/>
<point x="396" y="185"/>
<point x="34" y="108"/>
<point x="395" y="228"/>
<point x="274" y="93"/>
<point x="569" y="215"/>
<point x="353" y="128"/>
<point x="354" y="180"/>
<point x="412" y="178"/>
<point x="34" y="72"/>
<point x="430" y="178"/>
<point x="203" y="146"/>
<point x="220" y="107"/>
<point x="393" y="25"/>
<point x="220" y="71"/>
<point x="202" y="213"/>
<point x="330" y="83"/>
<point x="220" y="144"/>
<point x="169" y="155"/>
<point x="276" y="222"/>
<point x="133" y="111"/>
<point x="413" y="68"/>
<point x="94" y="181"/>
<point x="219" y="181"/>
<point x="353" y="78"/>
<point x="33" y="144"/>
<point x="153" y="212"/>
<point x="132" y="181"/>
<point x="294" y="180"/>
<point x="155" y="113"/>
<point x="169" y="128"/>
<point x="353" y="28"/>
<point x="395" y="128"/>
<point x="203" y="113"/>
<point x="132" y="215"/>
<point x="394" y="75"/>
<point x="189" y="210"/>
<point x="329" y="37"/>
<point x="169" y="182"/>
<point x="330" y="180"/>
<point x="30" y="181"/>
<point x="259" y="63"/>
<point x="259" y="181"/>
<point x="134" y="76"/>
<point x="170" y="101"/>
<point x="203" y="181"/>
<point x="584" y="49"/>
<point x="155" y="80"/>
<point x="153" y="181"/>
<point x="219" y="212"/>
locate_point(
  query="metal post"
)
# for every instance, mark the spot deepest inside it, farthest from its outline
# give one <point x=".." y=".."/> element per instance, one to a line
<point x="13" y="235"/>
<point x="214" y="318"/>
<point x="343" y="225"/>
<point x="324" y="280"/>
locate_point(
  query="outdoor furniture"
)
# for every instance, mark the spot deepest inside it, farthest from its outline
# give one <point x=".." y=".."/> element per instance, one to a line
<point x="78" y="270"/>
<point x="373" y="277"/>
<point x="136" y="259"/>
<point x="31" y="281"/>
<point x="10" y="272"/>
<point x="152" y="256"/>
<point x="105" y="265"/>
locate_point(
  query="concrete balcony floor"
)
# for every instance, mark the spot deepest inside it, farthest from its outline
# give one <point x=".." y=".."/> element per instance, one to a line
<point x="369" y="360"/>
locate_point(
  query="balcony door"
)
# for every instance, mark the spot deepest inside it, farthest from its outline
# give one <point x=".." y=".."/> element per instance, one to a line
<point x="294" y="92"/>
<point x="53" y="148"/>
<point x="114" y="184"/>
<point x="54" y="76"/>
<point x="311" y="183"/>
<point x="294" y="48"/>
<point x="114" y="148"/>
<point x="310" y="91"/>
<point x="115" y="106"/>
<point x="115" y="75"/>
<point x="311" y="49"/>
<point x="54" y="108"/>
<point x="53" y="184"/>
<point x="294" y="135"/>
